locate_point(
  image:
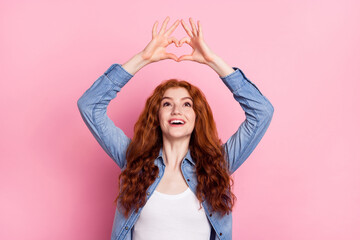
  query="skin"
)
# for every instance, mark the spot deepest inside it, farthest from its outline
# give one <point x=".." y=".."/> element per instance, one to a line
<point x="176" y="103"/>
<point x="176" y="139"/>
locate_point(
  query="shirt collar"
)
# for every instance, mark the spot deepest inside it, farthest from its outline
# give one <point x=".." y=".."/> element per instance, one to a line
<point x="187" y="156"/>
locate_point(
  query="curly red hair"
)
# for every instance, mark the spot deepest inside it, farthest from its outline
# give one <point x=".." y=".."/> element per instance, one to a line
<point x="214" y="181"/>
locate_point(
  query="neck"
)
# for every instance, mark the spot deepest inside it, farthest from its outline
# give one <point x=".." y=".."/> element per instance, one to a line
<point x="174" y="152"/>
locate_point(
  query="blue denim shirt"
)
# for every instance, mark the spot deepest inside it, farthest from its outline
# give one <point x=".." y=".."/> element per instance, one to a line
<point x="258" y="110"/>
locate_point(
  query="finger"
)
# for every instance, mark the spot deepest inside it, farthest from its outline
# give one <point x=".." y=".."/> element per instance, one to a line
<point x="200" y="29"/>
<point x="173" y="40"/>
<point x="193" y="27"/>
<point x="185" y="39"/>
<point x="188" y="31"/>
<point x="172" y="28"/>
<point x="163" y="27"/>
<point x="185" y="58"/>
<point x="154" y="30"/>
<point x="171" y="56"/>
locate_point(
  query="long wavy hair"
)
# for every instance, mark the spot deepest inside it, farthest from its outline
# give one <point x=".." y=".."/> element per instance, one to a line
<point x="214" y="181"/>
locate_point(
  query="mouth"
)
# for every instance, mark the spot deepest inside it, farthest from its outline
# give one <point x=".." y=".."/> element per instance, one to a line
<point x="176" y="122"/>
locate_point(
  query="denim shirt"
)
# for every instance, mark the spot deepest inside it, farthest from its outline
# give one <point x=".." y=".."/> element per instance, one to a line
<point x="258" y="111"/>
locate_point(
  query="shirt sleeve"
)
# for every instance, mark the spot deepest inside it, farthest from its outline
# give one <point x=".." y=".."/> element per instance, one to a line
<point x="258" y="112"/>
<point x="93" y="106"/>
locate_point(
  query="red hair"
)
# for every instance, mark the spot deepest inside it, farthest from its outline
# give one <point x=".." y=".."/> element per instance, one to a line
<point x="214" y="181"/>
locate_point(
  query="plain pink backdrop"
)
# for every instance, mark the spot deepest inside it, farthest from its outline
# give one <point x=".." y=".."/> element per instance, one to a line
<point x="301" y="182"/>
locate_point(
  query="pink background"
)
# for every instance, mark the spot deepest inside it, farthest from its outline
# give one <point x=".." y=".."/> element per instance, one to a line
<point x="301" y="182"/>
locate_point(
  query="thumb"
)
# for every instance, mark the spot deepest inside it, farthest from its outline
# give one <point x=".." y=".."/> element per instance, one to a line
<point x="185" y="57"/>
<point x="171" y="56"/>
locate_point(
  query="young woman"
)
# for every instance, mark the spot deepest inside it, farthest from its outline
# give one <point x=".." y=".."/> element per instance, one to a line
<point x="175" y="173"/>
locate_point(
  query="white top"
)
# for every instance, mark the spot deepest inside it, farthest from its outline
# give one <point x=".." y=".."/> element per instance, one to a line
<point x="174" y="217"/>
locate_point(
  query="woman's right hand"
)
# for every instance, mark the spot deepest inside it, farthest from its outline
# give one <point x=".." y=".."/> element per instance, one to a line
<point x="156" y="49"/>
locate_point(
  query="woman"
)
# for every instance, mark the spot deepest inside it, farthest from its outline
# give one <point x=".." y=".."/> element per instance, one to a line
<point x="175" y="173"/>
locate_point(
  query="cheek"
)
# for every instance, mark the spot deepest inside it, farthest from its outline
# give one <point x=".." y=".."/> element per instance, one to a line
<point x="192" y="116"/>
<point x="162" y="116"/>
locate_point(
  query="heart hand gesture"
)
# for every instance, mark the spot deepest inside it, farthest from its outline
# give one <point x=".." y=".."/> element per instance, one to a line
<point x="201" y="52"/>
<point x="156" y="49"/>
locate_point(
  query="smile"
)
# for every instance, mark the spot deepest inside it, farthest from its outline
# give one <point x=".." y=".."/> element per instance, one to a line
<point x="176" y="122"/>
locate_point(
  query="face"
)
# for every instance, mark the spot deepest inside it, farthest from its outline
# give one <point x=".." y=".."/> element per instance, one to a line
<point x="176" y="114"/>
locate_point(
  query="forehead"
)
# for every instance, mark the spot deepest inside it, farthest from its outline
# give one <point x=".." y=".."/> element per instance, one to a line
<point x="176" y="92"/>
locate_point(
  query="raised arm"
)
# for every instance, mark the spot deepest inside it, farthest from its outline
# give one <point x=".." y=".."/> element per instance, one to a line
<point x="93" y="106"/>
<point x="94" y="102"/>
<point x="258" y="109"/>
<point x="258" y="112"/>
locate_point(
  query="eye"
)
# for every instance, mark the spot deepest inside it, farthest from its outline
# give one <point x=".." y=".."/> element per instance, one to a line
<point x="165" y="104"/>
<point x="187" y="104"/>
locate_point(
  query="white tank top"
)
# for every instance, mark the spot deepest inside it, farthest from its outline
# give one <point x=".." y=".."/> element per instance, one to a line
<point x="174" y="217"/>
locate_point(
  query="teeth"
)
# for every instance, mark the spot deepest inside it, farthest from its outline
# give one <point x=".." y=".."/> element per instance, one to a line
<point x="177" y="121"/>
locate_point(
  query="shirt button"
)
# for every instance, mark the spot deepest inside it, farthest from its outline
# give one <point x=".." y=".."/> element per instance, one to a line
<point x="126" y="227"/>
<point x="210" y="214"/>
<point x="188" y="180"/>
<point x="220" y="234"/>
<point x="148" y="193"/>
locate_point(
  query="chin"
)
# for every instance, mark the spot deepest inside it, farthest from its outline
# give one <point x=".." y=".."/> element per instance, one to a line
<point x="178" y="136"/>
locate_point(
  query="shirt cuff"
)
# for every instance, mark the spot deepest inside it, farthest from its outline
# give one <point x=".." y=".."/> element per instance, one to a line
<point x="118" y="74"/>
<point x="234" y="80"/>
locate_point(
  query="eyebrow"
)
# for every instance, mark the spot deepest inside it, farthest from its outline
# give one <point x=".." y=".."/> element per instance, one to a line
<point x="181" y="98"/>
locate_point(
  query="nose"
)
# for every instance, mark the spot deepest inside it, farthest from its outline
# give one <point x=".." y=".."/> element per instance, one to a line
<point x="176" y="110"/>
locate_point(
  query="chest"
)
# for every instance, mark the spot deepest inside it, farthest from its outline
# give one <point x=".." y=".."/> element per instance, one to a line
<point x="221" y="225"/>
<point x="172" y="182"/>
<point x="168" y="216"/>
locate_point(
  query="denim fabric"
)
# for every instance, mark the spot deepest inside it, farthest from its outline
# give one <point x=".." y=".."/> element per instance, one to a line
<point x="258" y="111"/>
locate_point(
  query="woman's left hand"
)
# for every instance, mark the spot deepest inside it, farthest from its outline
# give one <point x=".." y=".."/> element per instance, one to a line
<point x="201" y="52"/>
